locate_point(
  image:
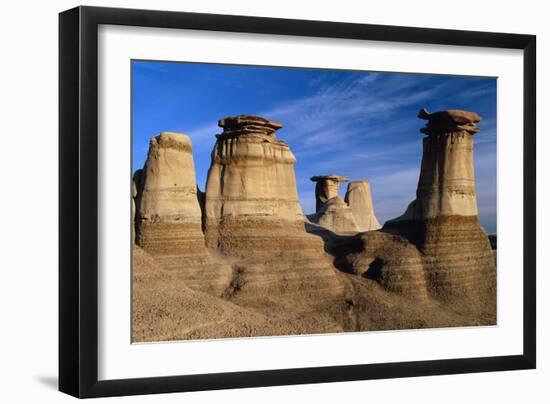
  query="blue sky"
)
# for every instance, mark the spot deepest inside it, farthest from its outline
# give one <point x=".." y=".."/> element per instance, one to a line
<point x="354" y="124"/>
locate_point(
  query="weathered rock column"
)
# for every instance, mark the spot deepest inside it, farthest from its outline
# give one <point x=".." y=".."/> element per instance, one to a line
<point x="251" y="182"/>
<point x="252" y="214"/>
<point x="446" y="185"/>
<point x="359" y="199"/>
<point x="326" y="187"/>
<point x="332" y="213"/>
<point x="169" y="218"/>
<point x="442" y="222"/>
<point x="169" y="215"/>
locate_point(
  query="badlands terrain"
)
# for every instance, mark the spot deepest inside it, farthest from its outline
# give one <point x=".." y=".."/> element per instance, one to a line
<point x="241" y="259"/>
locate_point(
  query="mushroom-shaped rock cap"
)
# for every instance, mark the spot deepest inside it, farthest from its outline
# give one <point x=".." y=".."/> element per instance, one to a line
<point x="248" y="124"/>
<point x="331" y="177"/>
<point x="449" y="121"/>
<point x="451" y="115"/>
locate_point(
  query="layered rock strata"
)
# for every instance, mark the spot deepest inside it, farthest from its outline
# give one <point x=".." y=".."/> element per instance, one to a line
<point x="455" y="258"/>
<point x="428" y="268"/>
<point x="251" y="177"/>
<point x="252" y="214"/>
<point x="446" y="186"/>
<point x="359" y="199"/>
<point x="168" y="216"/>
<point x="389" y="259"/>
<point x="251" y="185"/>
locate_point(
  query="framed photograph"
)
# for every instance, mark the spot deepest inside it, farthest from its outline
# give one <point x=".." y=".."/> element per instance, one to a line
<point x="251" y="201"/>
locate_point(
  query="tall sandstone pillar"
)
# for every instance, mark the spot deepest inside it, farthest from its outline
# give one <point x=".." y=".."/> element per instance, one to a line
<point x="169" y="216"/>
<point x="252" y="214"/>
<point x="251" y="186"/>
<point x="446" y="186"/>
<point x="359" y="199"/>
<point x="169" y="225"/>
<point x="437" y="249"/>
<point x="443" y="220"/>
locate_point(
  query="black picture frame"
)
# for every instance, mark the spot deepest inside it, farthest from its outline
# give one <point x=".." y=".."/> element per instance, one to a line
<point x="78" y="201"/>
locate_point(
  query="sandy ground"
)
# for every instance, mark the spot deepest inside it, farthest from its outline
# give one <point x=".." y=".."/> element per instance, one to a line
<point x="164" y="309"/>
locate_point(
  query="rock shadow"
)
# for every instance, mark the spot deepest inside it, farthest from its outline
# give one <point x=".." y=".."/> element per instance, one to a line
<point x="337" y="245"/>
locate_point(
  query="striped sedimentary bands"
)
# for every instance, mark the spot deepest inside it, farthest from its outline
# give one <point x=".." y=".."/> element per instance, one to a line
<point x="437" y="249"/>
<point x="447" y="258"/>
<point x="459" y="262"/>
<point x="252" y="214"/>
<point x="267" y="270"/>
<point x="446" y="186"/>
<point x="169" y="225"/>
<point x="391" y="260"/>
<point x="277" y="261"/>
<point x="251" y="176"/>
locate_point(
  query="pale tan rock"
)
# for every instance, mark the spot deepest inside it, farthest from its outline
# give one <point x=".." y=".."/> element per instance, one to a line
<point x="446" y="185"/>
<point x="271" y="277"/>
<point x="252" y="215"/>
<point x="359" y="199"/>
<point x="169" y="191"/>
<point x="251" y="176"/>
<point x="164" y="308"/>
<point x="442" y="222"/>
<point x="326" y="188"/>
<point x="335" y="215"/>
<point x="169" y="217"/>
<point x="167" y="199"/>
<point x="332" y="213"/>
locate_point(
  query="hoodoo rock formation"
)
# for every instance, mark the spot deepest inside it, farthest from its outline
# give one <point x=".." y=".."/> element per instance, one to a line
<point x="332" y="212"/>
<point x="169" y="216"/>
<point x="455" y="261"/>
<point x="168" y="191"/>
<point x="359" y="199"/>
<point x="446" y="186"/>
<point x="237" y="260"/>
<point x="326" y="188"/>
<point x="251" y="183"/>
<point x="252" y="214"/>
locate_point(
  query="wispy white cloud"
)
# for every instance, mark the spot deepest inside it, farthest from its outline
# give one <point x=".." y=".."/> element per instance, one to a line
<point x="351" y="106"/>
<point x="356" y="127"/>
<point x="203" y="137"/>
<point x="479" y="91"/>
